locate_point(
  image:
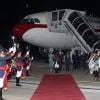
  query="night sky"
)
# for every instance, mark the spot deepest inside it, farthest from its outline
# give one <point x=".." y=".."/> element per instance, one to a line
<point x="12" y="11"/>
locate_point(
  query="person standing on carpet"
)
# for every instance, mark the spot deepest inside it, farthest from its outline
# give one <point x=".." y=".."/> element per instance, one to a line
<point x="60" y="60"/>
<point x="20" y="65"/>
<point x="56" y="59"/>
<point x="67" y="61"/>
<point x="51" y="60"/>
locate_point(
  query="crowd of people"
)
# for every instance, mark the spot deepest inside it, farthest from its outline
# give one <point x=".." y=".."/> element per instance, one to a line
<point x="94" y="64"/>
<point x="59" y="58"/>
<point x="76" y="61"/>
<point x="13" y="62"/>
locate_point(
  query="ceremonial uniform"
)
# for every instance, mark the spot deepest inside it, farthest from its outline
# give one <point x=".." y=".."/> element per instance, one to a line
<point x="98" y="65"/>
<point x="20" y="64"/>
<point x="28" y="65"/>
<point x="7" y="68"/>
<point x="3" y="73"/>
<point x="92" y="63"/>
<point x="19" y="59"/>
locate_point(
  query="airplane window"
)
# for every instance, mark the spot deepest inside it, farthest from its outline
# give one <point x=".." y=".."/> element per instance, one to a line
<point x="32" y="20"/>
<point x="61" y="13"/>
<point x="26" y="20"/>
<point x="36" y="20"/>
<point x="54" y="16"/>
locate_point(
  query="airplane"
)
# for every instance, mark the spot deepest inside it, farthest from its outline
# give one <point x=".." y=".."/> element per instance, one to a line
<point x="48" y="29"/>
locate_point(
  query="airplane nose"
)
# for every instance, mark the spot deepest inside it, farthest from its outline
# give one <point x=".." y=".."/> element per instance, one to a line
<point x="19" y="29"/>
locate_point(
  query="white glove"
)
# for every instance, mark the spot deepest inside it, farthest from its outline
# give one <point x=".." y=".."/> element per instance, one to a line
<point x="32" y="58"/>
<point x="11" y="49"/>
<point x="14" y="49"/>
<point x="27" y="53"/>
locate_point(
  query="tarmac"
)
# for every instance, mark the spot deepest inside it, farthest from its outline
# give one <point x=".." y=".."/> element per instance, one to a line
<point x="86" y="82"/>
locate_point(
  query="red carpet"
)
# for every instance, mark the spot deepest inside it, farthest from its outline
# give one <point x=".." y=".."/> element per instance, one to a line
<point x="58" y="87"/>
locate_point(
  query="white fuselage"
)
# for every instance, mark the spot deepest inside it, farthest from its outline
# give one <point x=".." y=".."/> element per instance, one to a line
<point x="42" y="37"/>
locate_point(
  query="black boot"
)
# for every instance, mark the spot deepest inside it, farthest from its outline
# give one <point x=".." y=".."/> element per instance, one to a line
<point x="95" y="74"/>
<point x="17" y="81"/>
<point x="1" y="95"/>
<point x="27" y="73"/>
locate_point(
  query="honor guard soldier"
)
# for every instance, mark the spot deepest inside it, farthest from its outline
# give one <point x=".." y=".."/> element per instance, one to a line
<point x="3" y="58"/>
<point x="19" y="59"/>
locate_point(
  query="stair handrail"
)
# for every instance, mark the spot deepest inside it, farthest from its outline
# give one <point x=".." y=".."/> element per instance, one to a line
<point x="81" y="41"/>
<point x="87" y="23"/>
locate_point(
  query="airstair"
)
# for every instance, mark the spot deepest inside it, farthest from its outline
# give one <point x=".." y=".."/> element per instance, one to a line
<point x="75" y="22"/>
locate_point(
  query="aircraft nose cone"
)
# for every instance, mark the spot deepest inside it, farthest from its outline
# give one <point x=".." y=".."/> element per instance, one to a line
<point x="19" y="29"/>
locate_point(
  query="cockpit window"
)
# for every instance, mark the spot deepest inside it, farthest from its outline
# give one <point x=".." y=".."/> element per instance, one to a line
<point x="36" y="20"/>
<point x="54" y="16"/>
<point x="30" y="20"/>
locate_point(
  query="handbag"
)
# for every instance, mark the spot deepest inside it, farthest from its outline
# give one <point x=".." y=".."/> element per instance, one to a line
<point x="56" y="65"/>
